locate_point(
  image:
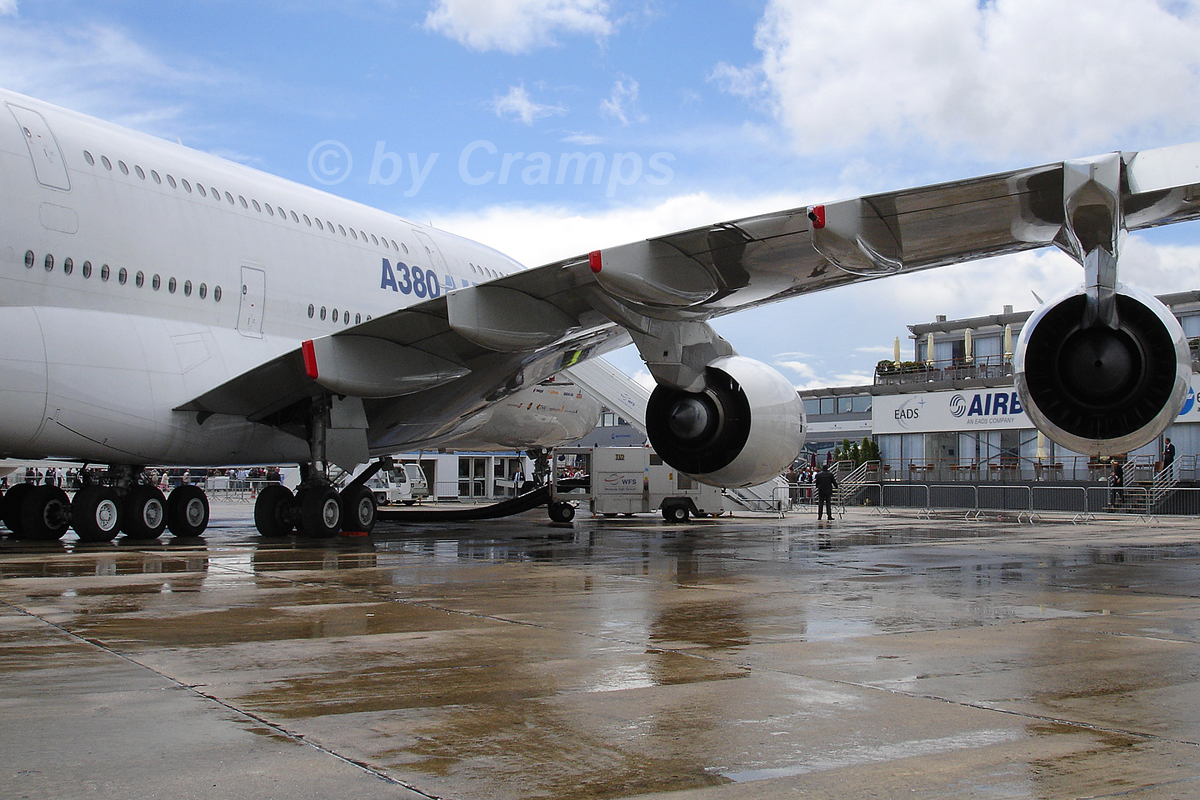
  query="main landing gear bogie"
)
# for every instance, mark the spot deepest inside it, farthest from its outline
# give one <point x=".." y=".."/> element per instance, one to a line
<point x="317" y="511"/>
<point x="98" y="512"/>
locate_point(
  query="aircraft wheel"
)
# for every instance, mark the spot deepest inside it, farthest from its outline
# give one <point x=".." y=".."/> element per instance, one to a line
<point x="11" y="507"/>
<point x="45" y="513"/>
<point x="187" y="511"/>
<point x="273" y="511"/>
<point x="320" y="512"/>
<point x="561" y="511"/>
<point x="145" y="512"/>
<point x="96" y="514"/>
<point x="358" y="510"/>
<point x="675" y="513"/>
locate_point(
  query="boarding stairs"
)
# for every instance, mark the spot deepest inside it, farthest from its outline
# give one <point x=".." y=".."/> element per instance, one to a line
<point x="1145" y="497"/>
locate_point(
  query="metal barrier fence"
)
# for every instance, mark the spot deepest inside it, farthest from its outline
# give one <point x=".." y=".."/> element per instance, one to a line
<point x="1027" y="502"/>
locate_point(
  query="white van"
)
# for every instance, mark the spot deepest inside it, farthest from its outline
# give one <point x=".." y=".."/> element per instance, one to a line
<point x="405" y="483"/>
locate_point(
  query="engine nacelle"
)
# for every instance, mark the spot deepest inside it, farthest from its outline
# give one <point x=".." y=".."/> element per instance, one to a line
<point x="1100" y="391"/>
<point x="744" y="428"/>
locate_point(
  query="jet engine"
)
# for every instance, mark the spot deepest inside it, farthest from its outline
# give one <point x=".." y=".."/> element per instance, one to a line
<point x="1102" y="390"/>
<point x="742" y="429"/>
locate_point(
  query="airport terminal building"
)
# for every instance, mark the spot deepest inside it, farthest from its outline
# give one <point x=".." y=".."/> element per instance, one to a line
<point x="951" y="412"/>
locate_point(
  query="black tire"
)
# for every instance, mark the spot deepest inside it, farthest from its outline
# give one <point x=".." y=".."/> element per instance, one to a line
<point x="320" y="512"/>
<point x="675" y="513"/>
<point x="11" y="507"/>
<point x="274" y="511"/>
<point x="45" y="514"/>
<point x="145" y="512"/>
<point x="561" y="511"/>
<point x="96" y="514"/>
<point x="358" y="510"/>
<point x="187" y="511"/>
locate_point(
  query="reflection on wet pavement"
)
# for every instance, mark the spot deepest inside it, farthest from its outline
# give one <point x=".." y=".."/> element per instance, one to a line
<point x="727" y="658"/>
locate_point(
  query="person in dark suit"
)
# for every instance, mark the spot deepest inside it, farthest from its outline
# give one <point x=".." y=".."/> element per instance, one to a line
<point x="1168" y="458"/>
<point x="826" y="483"/>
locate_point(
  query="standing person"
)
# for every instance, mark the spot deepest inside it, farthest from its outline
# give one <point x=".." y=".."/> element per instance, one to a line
<point x="1168" y="458"/>
<point x="826" y="483"/>
<point x="1118" y="483"/>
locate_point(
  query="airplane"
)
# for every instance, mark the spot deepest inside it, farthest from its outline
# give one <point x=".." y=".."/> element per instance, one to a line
<point x="165" y="307"/>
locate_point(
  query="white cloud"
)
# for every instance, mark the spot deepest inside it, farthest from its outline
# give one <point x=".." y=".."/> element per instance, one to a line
<point x="518" y="104"/>
<point x="517" y="26"/>
<point x="8" y="8"/>
<point x="621" y="104"/>
<point x="992" y="78"/>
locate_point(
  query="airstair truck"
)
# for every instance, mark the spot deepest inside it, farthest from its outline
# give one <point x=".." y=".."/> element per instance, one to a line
<point x="630" y="480"/>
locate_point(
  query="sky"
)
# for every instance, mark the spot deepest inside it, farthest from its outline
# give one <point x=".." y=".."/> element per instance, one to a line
<point x="467" y="114"/>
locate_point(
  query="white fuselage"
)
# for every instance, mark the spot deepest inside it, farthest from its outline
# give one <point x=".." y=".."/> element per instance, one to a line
<point x="136" y="274"/>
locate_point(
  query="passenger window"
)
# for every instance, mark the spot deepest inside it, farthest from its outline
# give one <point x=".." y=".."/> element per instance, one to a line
<point x="317" y="220"/>
<point x="343" y="230"/>
<point x="68" y="267"/>
<point x="187" y="187"/>
<point x="171" y="181"/>
<point x="107" y="164"/>
<point x="295" y="218"/>
<point x="203" y="291"/>
<point x="200" y="189"/>
<point x="217" y="294"/>
<point x="270" y="210"/>
<point x="154" y="175"/>
<point x="171" y="284"/>
<point x="187" y="288"/>
<point x="242" y="200"/>
<point x="216" y="195"/>
<point x="374" y="240"/>
<point x="282" y="213"/>
<point x="156" y="283"/>
<point x="322" y="313"/>
<point x="307" y="221"/>
<point x="139" y="280"/>
<point x="87" y="269"/>
<point x="229" y="198"/>
<point x="312" y="310"/>
<point x="335" y="315"/>
<point x="139" y="172"/>
<point x="257" y="207"/>
<point x="49" y="263"/>
<point x="104" y="273"/>
<point x="124" y="169"/>
<point x="122" y="276"/>
<point x="357" y="318"/>
<point x="88" y="158"/>
<point x="353" y="235"/>
<point x="29" y="259"/>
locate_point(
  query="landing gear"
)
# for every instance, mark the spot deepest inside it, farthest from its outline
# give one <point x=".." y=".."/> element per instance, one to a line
<point x="13" y="500"/>
<point x="273" y="511"/>
<point x="96" y="513"/>
<point x="359" y="511"/>
<point x="320" y="512"/>
<point x="45" y="514"/>
<point x="187" y="511"/>
<point x="145" y="512"/>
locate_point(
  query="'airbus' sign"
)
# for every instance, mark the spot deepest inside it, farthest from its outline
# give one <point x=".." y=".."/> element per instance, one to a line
<point x="994" y="409"/>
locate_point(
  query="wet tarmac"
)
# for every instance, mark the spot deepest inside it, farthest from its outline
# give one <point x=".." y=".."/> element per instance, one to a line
<point x="874" y="657"/>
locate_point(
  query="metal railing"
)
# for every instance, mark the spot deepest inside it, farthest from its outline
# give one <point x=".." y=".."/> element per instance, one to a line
<point x="957" y="369"/>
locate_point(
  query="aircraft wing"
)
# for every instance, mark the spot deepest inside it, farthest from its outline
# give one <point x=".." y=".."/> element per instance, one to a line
<point x="495" y="337"/>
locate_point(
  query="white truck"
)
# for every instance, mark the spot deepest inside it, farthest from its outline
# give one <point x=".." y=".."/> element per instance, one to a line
<point x="627" y="480"/>
<point x="404" y="483"/>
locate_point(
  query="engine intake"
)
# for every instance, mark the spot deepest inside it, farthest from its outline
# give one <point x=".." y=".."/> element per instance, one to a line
<point x="744" y="428"/>
<point x="1099" y="390"/>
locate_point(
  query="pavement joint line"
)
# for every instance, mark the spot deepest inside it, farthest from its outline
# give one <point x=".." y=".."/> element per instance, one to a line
<point x="195" y="690"/>
<point x="750" y="667"/>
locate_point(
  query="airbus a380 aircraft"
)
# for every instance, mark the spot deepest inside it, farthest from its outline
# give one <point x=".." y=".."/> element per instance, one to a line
<point x="162" y="306"/>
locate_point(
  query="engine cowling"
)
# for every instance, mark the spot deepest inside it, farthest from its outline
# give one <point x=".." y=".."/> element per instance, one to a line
<point x="744" y="428"/>
<point x="1098" y="390"/>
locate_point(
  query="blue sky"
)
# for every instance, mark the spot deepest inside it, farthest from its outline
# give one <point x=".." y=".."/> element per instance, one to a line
<point x="696" y="112"/>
